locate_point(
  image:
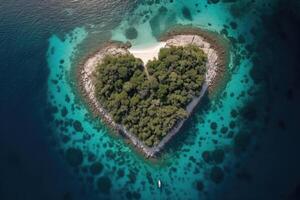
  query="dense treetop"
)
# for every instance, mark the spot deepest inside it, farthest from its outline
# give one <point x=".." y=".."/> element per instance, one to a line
<point x="149" y="106"/>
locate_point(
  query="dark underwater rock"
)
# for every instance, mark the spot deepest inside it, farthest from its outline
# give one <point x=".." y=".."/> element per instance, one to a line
<point x="233" y="25"/>
<point x="65" y="138"/>
<point x="187" y="13"/>
<point x="163" y="10"/>
<point x="213" y="157"/>
<point x="233" y="113"/>
<point x="206" y="156"/>
<point x="224" y="130"/>
<point x="96" y="168"/>
<point x="199" y="185"/>
<point x="77" y="126"/>
<point x="120" y="173"/>
<point x="213" y="125"/>
<point x="91" y="157"/>
<point x="64" y="111"/>
<point x="131" y="33"/>
<point x="232" y="124"/>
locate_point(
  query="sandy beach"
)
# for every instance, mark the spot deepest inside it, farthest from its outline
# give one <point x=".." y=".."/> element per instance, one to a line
<point x="147" y="53"/>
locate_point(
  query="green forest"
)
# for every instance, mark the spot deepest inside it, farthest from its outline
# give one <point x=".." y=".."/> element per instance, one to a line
<point x="150" y="104"/>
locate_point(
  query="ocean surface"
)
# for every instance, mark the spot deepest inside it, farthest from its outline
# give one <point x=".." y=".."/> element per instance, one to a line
<point x="241" y="143"/>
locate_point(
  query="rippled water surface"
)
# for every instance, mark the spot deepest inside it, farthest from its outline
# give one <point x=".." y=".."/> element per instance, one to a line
<point x="227" y="149"/>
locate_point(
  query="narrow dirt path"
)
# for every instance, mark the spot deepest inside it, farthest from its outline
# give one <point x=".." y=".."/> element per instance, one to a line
<point x="146" y="71"/>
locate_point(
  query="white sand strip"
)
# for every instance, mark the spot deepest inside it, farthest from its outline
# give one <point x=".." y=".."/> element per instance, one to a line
<point x="147" y="53"/>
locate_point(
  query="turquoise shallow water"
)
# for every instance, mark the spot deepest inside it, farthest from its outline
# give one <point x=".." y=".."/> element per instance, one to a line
<point x="183" y="168"/>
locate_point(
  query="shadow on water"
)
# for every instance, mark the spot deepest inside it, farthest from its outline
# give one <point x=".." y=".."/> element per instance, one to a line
<point x="272" y="117"/>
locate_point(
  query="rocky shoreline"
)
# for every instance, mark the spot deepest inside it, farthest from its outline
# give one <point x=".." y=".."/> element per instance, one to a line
<point x="215" y="62"/>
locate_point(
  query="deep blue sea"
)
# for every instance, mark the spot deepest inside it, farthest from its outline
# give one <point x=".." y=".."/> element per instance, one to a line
<point x="241" y="144"/>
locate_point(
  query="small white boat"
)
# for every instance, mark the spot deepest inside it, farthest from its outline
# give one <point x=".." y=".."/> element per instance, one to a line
<point x="159" y="183"/>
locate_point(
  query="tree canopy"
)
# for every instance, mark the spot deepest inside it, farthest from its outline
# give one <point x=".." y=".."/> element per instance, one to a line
<point x="149" y="107"/>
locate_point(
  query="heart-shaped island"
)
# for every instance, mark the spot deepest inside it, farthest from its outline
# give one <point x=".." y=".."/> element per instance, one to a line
<point x="147" y="94"/>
